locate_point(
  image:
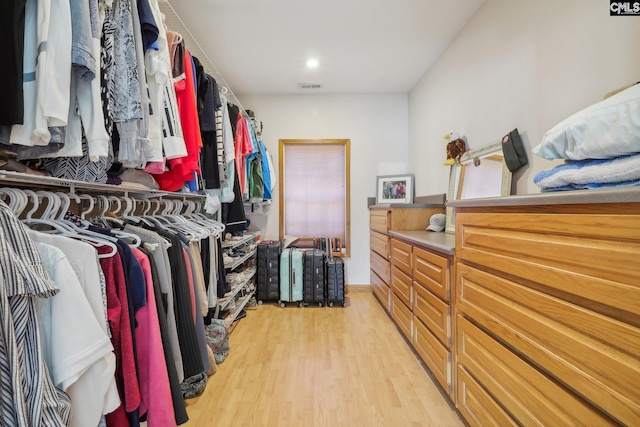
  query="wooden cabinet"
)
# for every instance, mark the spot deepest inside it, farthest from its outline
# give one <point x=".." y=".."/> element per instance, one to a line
<point x="383" y="219"/>
<point x="548" y="314"/>
<point x="421" y="286"/>
<point x="432" y="313"/>
<point x="379" y="259"/>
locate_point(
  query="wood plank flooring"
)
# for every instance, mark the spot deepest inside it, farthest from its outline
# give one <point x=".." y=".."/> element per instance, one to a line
<point x="320" y="367"/>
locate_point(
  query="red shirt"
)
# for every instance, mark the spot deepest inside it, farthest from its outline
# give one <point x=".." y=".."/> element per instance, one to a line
<point x="182" y="168"/>
<point x="122" y="339"/>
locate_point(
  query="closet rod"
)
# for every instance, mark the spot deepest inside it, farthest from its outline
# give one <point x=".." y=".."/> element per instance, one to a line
<point x="201" y="50"/>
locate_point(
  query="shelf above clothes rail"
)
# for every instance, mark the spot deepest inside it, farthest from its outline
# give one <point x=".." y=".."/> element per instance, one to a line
<point x="9" y="179"/>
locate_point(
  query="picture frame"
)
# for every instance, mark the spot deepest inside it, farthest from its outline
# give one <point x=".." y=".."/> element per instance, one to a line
<point x="395" y="189"/>
<point x="482" y="173"/>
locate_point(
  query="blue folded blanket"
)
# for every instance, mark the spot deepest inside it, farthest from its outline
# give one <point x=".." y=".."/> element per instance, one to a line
<point x="621" y="171"/>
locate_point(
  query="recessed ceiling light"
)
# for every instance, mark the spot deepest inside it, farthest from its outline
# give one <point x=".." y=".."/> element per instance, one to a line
<point x="312" y="63"/>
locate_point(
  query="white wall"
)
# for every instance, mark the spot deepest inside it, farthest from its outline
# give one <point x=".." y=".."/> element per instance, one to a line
<point x="516" y="64"/>
<point x="377" y="126"/>
<point x="524" y="64"/>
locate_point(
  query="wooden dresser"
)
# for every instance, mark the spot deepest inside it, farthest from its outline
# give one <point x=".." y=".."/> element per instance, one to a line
<point x="421" y="285"/>
<point x="547" y="311"/>
<point x="382" y="219"/>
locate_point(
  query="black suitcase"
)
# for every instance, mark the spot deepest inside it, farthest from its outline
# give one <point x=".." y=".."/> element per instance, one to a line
<point x="335" y="281"/>
<point x="334" y="272"/>
<point x="268" y="271"/>
<point x="313" y="277"/>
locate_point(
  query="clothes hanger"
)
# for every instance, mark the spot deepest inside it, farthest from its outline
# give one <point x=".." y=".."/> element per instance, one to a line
<point x="102" y="219"/>
<point x="177" y="223"/>
<point x="81" y="232"/>
<point x="132" y="239"/>
<point x="130" y="207"/>
<point x="60" y="228"/>
<point x="198" y="216"/>
<point x="18" y="201"/>
<point x="91" y="205"/>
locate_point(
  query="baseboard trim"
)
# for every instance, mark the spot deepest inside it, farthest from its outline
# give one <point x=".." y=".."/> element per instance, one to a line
<point x="358" y="288"/>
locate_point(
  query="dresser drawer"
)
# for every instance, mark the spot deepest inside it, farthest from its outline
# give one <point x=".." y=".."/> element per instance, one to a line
<point x="379" y="220"/>
<point x="402" y="315"/>
<point x="433" y="312"/>
<point x="436" y="356"/>
<point x="432" y="271"/>
<point x="595" y="356"/>
<point x="381" y="290"/>
<point x="401" y="285"/>
<point x="401" y="255"/>
<point x="531" y="397"/>
<point x="476" y="405"/>
<point x="589" y="258"/>
<point x="380" y="243"/>
<point x="381" y="266"/>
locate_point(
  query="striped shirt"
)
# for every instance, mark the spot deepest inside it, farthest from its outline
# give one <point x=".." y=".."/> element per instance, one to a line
<point x="29" y="397"/>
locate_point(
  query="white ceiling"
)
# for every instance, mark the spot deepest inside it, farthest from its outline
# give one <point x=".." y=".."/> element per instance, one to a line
<point x="364" y="46"/>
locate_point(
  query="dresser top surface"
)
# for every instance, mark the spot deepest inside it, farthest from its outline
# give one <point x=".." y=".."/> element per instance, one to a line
<point x="444" y="243"/>
<point x="577" y="197"/>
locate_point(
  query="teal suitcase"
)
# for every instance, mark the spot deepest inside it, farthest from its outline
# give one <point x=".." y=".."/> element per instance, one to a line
<point x="291" y="282"/>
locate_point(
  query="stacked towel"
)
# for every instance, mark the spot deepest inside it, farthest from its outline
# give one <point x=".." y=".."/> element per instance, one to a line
<point x="621" y="171"/>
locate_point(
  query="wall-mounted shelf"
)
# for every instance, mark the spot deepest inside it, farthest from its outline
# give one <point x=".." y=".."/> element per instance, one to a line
<point x="235" y="243"/>
<point x="242" y="288"/>
<point x="18" y="179"/>
<point x="239" y="261"/>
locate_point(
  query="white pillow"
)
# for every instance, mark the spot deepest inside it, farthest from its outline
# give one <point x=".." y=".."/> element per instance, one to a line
<point x="608" y="129"/>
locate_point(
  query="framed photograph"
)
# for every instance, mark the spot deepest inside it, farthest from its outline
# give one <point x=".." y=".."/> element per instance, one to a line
<point x="395" y="189"/>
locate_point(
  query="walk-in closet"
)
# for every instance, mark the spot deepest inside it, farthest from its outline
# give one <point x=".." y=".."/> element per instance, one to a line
<point x="319" y="213"/>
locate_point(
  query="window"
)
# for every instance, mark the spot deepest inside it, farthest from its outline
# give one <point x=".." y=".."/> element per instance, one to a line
<point x="314" y="191"/>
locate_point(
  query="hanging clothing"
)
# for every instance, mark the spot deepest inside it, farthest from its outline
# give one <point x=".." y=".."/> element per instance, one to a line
<point x="53" y="69"/>
<point x="23" y="279"/>
<point x="233" y="215"/>
<point x="122" y="339"/>
<point x="79" y="352"/>
<point x="155" y="394"/>
<point x="124" y="88"/>
<point x="180" y="411"/>
<point x="95" y="392"/>
<point x="227" y="152"/>
<point x="197" y="318"/>
<point x="148" y="25"/>
<point x="163" y="102"/>
<point x="12" y="22"/>
<point x="242" y="149"/>
<point x="160" y="255"/>
<point x="266" y="172"/>
<point x="82" y="56"/>
<point x="192" y="363"/>
<point x="207" y="88"/>
<point x="182" y="168"/>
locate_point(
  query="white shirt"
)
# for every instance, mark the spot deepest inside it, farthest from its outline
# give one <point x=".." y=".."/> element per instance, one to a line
<point x="77" y="349"/>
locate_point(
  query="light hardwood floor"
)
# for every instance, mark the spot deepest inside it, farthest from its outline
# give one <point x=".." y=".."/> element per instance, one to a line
<point x="320" y="367"/>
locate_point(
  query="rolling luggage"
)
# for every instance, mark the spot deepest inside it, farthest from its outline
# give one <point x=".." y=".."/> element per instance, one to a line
<point x="268" y="271"/>
<point x="291" y="276"/>
<point x="313" y="280"/>
<point x="335" y="279"/>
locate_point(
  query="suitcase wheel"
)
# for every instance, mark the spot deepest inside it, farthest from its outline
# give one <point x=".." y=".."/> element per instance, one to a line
<point x="344" y="303"/>
<point x="259" y="302"/>
<point x="300" y="305"/>
<point x="320" y="304"/>
<point x="282" y="304"/>
<point x="331" y="304"/>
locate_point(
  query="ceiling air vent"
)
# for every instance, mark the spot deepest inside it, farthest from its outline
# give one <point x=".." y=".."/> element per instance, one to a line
<point x="310" y="86"/>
